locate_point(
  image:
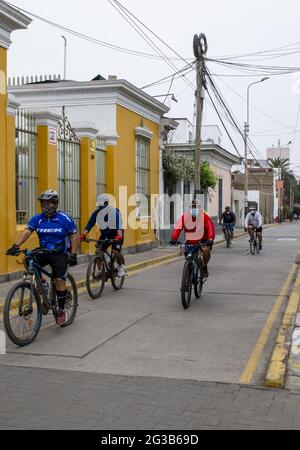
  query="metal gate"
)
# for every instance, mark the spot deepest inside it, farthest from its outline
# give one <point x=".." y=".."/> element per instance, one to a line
<point x="68" y="154"/>
<point x="26" y="166"/>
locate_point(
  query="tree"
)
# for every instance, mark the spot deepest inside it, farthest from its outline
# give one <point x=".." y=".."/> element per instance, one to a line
<point x="279" y="163"/>
<point x="179" y="167"/>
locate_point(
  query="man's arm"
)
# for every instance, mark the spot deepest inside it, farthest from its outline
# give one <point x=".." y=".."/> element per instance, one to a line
<point x="23" y="238"/>
<point x="247" y="221"/>
<point x="91" y="223"/>
<point x="178" y="229"/>
<point x="260" y="220"/>
<point x="74" y="238"/>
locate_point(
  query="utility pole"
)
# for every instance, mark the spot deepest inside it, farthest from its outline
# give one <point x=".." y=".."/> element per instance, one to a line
<point x="200" y="50"/>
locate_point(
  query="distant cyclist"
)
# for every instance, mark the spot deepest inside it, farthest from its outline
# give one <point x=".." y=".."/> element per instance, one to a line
<point x="199" y="229"/>
<point x="228" y="219"/>
<point x="109" y="221"/>
<point x="56" y="231"/>
<point x="254" y="221"/>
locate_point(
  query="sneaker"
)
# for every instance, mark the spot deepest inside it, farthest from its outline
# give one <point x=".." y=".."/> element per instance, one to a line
<point x="260" y="248"/>
<point x="121" y="271"/>
<point x="61" y="317"/>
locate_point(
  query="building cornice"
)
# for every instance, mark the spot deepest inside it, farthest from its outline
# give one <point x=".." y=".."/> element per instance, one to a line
<point x="207" y="148"/>
<point x="106" y="92"/>
<point x="12" y="105"/>
<point x="10" y="20"/>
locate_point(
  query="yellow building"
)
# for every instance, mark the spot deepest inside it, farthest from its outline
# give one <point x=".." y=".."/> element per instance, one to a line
<point x="10" y="20"/>
<point x="93" y="137"/>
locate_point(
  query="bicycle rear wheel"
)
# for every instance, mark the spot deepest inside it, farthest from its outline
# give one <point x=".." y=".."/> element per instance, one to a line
<point x="116" y="281"/>
<point x="72" y="301"/>
<point x="22" y="314"/>
<point x="186" y="285"/>
<point x="96" y="277"/>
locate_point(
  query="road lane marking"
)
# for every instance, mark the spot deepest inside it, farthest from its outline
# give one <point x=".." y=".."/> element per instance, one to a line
<point x="254" y="359"/>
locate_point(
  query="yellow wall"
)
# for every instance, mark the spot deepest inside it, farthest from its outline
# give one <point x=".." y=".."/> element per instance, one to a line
<point x="3" y="161"/>
<point x="121" y="166"/>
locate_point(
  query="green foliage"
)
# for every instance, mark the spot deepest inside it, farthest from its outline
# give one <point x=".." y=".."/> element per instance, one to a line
<point x="279" y="163"/>
<point x="208" y="177"/>
<point x="179" y="167"/>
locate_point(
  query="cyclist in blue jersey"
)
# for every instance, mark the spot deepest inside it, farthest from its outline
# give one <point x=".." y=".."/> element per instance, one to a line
<point x="109" y="221"/>
<point x="56" y="231"/>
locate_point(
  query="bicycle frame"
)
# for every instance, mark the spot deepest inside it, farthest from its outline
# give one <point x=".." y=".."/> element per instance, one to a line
<point x="107" y="252"/>
<point x="35" y="271"/>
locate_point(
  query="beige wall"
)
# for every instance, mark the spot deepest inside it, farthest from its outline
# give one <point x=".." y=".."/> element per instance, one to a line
<point x="214" y="194"/>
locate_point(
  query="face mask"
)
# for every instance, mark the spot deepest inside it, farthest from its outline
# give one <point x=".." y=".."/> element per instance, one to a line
<point x="195" y="212"/>
<point x="253" y="213"/>
<point x="50" y="212"/>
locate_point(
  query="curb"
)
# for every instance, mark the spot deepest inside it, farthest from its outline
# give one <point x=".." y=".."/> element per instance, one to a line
<point x="276" y="373"/>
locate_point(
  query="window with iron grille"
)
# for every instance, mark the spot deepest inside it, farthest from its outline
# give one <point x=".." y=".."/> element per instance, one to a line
<point x="68" y="165"/>
<point x="26" y="167"/>
<point x="143" y="176"/>
<point x="101" y="166"/>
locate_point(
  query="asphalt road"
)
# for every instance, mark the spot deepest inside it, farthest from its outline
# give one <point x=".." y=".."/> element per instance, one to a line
<point x="143" y="330"/>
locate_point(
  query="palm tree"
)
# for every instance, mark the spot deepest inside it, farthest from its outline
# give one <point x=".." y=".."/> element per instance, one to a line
<point x="279" y="163"/>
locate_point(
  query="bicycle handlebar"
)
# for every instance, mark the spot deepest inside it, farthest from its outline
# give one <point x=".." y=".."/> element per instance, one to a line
<point x="39" y="251"/>
<point x="99" y="241"/>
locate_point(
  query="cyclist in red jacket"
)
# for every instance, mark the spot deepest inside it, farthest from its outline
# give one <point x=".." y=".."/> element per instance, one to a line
<point x="199" y="228"/>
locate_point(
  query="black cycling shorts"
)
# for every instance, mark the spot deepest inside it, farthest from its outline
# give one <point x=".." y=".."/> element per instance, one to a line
<point x="58" y="264"/>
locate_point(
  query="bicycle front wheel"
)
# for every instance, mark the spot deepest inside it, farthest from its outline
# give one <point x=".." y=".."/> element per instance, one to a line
<point x="228" y="239"/>
<point x="198" y="284"/>
<point x="252" y="246"/>
<point x="186" y="285"/>
<point x="22" y="314"/>
<point x="96" y="277"/>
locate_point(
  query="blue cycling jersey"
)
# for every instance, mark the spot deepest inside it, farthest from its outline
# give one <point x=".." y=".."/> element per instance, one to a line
<point x="53" y="232"/>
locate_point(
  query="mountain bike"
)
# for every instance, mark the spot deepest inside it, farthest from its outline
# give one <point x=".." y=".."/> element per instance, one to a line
<point x="228" y="230"/>
<point x="192" y="276"/>
<point x="254" y="245"/>
<point x="102" y="268"/>
<point x="33" y="297"/>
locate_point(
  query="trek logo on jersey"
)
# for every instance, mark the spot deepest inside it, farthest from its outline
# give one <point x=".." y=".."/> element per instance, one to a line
<point x="51" y="230"/>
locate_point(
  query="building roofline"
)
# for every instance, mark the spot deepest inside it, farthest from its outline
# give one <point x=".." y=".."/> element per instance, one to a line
<point x="90" y="87"/>
<point x="206" y="147"/>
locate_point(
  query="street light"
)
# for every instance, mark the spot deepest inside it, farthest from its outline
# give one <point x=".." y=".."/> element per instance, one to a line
<point x="167" y="95"/>
<point x="65" y="57"/>
<point x="247" y="129"/>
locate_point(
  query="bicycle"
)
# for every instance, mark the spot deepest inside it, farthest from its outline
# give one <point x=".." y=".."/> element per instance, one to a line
<point x="254" y="246"/>
<point x="33" y="297"/>
<point x="102" y="268"/>
<point x="192" y="275"/>
<point x="228" y="231"/>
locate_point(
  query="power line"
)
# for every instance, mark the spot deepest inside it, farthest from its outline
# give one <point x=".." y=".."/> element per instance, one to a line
<point x="89" y="38"/>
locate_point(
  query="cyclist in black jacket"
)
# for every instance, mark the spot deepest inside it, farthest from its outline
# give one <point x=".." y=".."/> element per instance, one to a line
<point x="228" y="218"/>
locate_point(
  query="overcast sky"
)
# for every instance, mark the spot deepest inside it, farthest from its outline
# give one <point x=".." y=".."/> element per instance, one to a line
<point x="231" y="26"/>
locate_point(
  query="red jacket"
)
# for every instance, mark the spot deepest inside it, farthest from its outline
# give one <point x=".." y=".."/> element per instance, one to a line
<point x="197" y="230"/>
